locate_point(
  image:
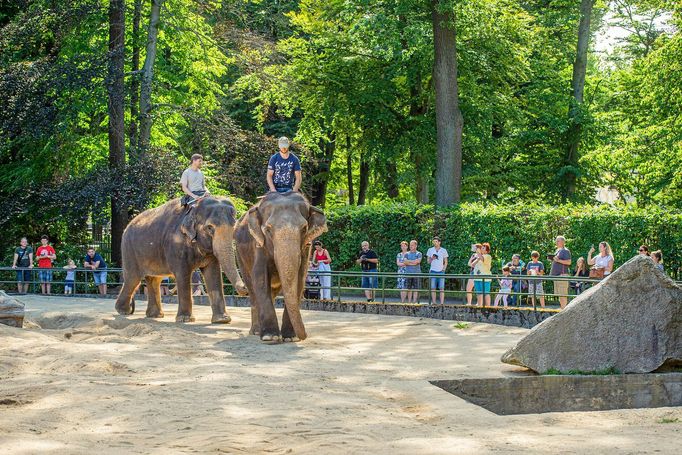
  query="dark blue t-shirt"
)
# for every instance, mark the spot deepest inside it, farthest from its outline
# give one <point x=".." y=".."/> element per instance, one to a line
<point x="97" y="257"/>
<point x="284" y="175"/>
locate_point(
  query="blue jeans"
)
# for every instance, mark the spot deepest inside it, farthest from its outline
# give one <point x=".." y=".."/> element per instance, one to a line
<point x="283" y="189"/>
<point x="23" y="276"/>
<point x="45" y="276"/>
<point x="370" y="282"/>
<point x="437" y="283"/>
<point x="516" y="287"/>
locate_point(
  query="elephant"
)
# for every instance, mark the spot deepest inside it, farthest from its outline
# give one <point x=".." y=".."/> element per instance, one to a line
<point x="273" y="246"/>
<point x="161" y="242"/>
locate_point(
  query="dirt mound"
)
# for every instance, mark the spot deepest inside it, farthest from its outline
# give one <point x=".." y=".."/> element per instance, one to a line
<point x="60" y="320"/>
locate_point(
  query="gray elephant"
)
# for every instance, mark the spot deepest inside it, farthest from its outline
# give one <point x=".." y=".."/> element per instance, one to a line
<point x="159" y="243"/>
<point x="273" y="247"/>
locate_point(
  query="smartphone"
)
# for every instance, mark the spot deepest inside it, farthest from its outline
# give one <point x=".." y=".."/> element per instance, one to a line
<point x="550" y="257"/>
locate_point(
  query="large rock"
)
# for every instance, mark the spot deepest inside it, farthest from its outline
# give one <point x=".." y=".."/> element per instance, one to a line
<point x="11" y="311"/>
<point x="631" y="321"/>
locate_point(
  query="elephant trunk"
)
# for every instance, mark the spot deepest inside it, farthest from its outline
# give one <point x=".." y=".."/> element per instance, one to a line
<point x="223" y="249"/>
<point x="288" y="261"/>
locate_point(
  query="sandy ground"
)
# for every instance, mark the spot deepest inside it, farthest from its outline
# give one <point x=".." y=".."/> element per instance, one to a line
<point x="91" y="383"/>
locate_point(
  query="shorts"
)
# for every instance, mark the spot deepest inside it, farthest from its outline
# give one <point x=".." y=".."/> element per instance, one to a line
<point x="370" y="282"/>
<point x="437" y="283"/>
<point x="23" y="276"/>
<point x="100" y="277"/>
<point x="283" y="189"/>
<point x="535" y="288"/>
<point x="69" y="285"/>
<point x="482" y="286"/>
<point x="413" y="283"/>
<point x="561" y="288"/>
<point x="45" y="276"/>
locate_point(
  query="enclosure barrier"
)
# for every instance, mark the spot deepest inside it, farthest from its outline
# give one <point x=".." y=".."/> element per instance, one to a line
<point x="344" y="285"/>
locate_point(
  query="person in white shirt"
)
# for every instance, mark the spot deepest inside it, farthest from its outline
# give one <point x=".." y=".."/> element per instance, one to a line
<point x="604" y="260"/>
<point x="438" y="261"/>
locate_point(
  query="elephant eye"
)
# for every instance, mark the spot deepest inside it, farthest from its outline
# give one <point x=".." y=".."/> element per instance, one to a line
<point x="210" y="228"/>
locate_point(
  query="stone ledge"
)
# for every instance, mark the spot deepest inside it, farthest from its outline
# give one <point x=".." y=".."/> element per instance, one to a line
<point x="513" y="317"/>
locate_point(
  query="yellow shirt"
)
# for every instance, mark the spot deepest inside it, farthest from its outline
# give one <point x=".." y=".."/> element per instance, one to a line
<point x="484" y="265"/>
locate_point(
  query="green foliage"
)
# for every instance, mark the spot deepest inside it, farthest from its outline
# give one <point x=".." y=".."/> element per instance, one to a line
<point x="509" y="229"/>
<point x="605" y="372"/>
<point x="462" y="325"/>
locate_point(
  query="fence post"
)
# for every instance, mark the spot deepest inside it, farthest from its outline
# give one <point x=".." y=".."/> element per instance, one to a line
<point x="383" y="289"/>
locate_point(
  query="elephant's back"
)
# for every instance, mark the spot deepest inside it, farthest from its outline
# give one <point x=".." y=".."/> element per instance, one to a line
<point x="154" y="221"/>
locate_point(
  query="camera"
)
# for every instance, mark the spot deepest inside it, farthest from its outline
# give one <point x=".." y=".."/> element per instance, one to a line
<point x="435" y="256"/>
<point x="473" y="248"/>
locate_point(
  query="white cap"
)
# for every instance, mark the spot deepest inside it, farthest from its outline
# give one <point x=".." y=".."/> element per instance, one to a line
<point x="283" y="142"/>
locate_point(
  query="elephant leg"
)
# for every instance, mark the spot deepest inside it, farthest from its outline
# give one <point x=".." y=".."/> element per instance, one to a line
<point x="288" y="333"/>
<point x="154" y="308"/>
<point x="184" y="287"/>
<point x="267" y="318"/>
<point x="214" y="287"/>
<point x="123" y="302"/>
<point x="255" y="319"/>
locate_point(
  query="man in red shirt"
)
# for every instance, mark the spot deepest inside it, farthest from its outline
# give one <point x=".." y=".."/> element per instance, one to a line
<point x="45" y="254"/>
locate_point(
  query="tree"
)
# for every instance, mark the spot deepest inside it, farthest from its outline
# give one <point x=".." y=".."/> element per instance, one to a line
<point x="148" y="78"/>
<point x="449" y="121"/>
<point x="577" y="87"/>
<point x="116" y="102"/>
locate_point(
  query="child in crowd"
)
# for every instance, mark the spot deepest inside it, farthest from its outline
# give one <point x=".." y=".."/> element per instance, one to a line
<point x="505" y="287"/>
<point x="536" y="268"/>
<point x="70" y="280"/>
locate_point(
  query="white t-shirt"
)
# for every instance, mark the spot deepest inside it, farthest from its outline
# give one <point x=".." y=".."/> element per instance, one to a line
<point x="437" y="264"/>
<point x="601" y="262"/>
<point x="194" y="180"/>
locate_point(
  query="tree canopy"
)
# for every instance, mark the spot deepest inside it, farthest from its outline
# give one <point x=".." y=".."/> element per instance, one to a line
<point x="353" y="83"/>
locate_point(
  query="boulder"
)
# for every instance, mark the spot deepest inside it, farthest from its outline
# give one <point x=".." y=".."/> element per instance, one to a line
<point x="11" y="311"/>
<point x="631" y="322"/>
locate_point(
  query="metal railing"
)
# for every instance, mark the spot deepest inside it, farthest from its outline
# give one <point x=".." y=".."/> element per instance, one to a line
<point x="345" y="286"/>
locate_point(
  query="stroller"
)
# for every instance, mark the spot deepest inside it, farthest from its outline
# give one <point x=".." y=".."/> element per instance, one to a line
<point x="312" y="284"/>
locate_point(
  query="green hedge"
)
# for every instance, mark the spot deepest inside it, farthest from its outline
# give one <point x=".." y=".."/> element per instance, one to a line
<point x="509" y="229"/>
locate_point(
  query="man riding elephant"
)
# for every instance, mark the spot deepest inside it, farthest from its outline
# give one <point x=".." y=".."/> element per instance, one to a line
<point x="162" y="242"/>
<point x="273" y="246"/>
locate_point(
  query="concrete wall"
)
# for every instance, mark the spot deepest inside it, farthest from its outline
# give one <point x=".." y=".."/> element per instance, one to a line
<point x="510" y="317"/>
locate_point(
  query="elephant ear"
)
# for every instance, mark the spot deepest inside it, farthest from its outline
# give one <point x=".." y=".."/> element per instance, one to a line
<point x="255" y="229"/>
<point x="188" y="226"/>
<point x="317" y="224"/>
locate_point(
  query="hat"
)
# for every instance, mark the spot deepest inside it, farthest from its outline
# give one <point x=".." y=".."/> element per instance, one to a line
<point x="283" y="142"/>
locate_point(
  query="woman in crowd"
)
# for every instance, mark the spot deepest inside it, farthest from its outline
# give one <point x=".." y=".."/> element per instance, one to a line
<point x="482" y="263"/>
<point x="400" y="262"/>
<point x="643" y="250"/>
<point x="581" y="271"/>
<point x="603" y="262"/>
<point x="470" y="281"/>
<point x="322" y="260"/>
<point x="657" y="257"/>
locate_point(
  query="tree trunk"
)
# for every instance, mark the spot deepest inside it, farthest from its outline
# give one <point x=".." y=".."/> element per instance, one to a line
<point x="449" y="120"/>
<point x="321" y="177"/>
<point x="391" y="179"/>
<point x="135" y="82"/>
<point x="116" y="106"/>
<point x="148" y="78"/>
<point x="349" y="171"/>
<point x="578" y="87"/>
<point x="364" y="179"/>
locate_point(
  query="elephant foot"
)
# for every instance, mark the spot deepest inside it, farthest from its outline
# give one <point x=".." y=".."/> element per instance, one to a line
<point x="220" y="319"/>
<point x="155" y="315"/>
<point x="254" y="331"/>
<point x="184" y="318"/>
<point x="290" y="340"/>
<point x="124" y="311"/>
<point x="270" y="339"/>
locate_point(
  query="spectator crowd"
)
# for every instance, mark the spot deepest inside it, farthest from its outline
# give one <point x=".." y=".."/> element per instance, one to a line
<point x="518" y="279"/>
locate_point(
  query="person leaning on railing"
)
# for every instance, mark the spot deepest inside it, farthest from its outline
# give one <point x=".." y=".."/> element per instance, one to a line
<point x="482" y="264"/>
<point x="369" y="261"/>
<point x="581" y="271"/>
